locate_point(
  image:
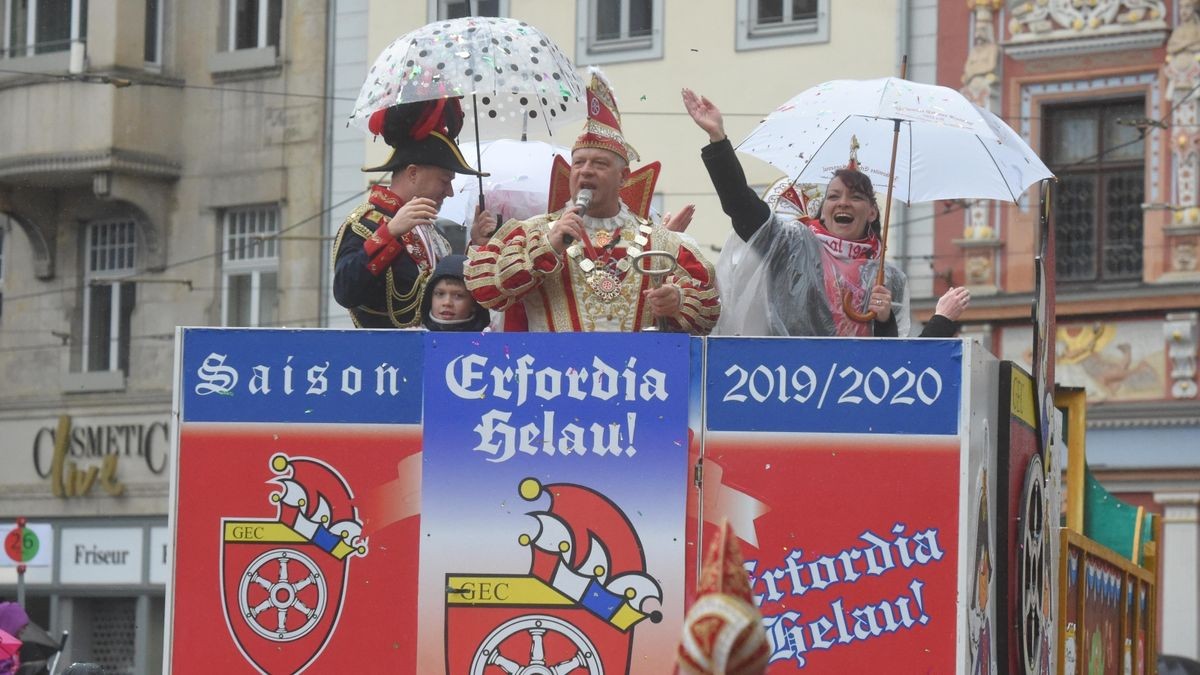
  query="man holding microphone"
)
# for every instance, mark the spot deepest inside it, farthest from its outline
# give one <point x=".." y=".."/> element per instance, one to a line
<point x="573" y="270"/>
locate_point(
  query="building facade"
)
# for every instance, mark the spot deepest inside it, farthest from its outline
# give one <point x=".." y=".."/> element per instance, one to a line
<point x="160" y="165"/>
<point x="1105" y="91"/>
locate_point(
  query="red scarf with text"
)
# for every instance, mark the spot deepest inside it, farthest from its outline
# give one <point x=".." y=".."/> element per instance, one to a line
<point x="841" y="264"/>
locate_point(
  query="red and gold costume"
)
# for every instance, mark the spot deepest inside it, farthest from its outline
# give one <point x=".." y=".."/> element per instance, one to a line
<point x="518" y="267"/>
<point x="595" y="284"/>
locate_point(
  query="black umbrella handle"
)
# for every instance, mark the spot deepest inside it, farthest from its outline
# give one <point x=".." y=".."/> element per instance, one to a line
<point x="478" y="148"/>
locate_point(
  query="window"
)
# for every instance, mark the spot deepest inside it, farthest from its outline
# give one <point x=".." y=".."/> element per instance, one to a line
<point x="780" y="23"/>
<point x="154" y="31"/>
<point x="1098" y="156"/>
<point x="250" y="287"/>
<point x="456" y="9"/>
<point x="107" y="301"/>
<point x="41" y="26"/>
<point x="248" y="40"/>
<point x="251" y="24"/>
<point x="619" y="30"/>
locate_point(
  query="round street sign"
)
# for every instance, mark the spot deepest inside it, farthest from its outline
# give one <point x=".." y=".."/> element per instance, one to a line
<point x="21" y="544"/>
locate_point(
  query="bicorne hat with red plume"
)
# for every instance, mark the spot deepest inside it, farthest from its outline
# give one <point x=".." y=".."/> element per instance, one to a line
<point x="422" y="132"/>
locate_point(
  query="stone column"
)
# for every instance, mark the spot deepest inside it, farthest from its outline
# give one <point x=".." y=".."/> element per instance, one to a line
<point x="1182" y="70"/>
<point x="979" y="243"/>
<point x="1180" y="582"/>
<point x="116" y="35"/>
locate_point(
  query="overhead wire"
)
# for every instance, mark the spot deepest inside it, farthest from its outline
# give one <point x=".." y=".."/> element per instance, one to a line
<point x="955" y="205"/>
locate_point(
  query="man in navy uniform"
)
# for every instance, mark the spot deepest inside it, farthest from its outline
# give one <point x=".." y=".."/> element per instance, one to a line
<point x="387" y="249"/>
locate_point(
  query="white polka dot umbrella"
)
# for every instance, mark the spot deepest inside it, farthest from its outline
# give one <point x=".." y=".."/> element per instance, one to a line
<point x="511" y="76"/>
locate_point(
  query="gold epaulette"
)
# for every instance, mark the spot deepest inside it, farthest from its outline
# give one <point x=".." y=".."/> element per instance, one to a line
<point x="374" y="216"/>
<point x="365" y="220"/>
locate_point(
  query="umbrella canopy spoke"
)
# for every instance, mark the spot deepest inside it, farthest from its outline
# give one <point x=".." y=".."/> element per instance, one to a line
<point x="1012" y="195"/>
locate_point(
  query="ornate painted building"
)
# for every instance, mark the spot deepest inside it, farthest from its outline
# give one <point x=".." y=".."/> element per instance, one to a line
<point x="1106" y="92"/>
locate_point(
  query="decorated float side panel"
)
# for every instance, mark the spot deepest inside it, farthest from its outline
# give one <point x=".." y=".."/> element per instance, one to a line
<point x="839" y="463"/>
<point x="977" y="582"/>
<point x="1107" y="610"/>
<point x="297" y="483"/>
<point x="1026" y="570"/>
<point x="556" y="479"/>
<point x="693" y="553"/>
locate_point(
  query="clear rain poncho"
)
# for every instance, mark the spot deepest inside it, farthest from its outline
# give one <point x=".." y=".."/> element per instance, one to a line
<point x="777" y="283"/>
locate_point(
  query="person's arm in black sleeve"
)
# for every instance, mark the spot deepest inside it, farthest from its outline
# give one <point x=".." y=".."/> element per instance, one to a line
<point x="745" y="209"/>
<point x="885" y="328"/>
<point x="359" y="270"/>
<point x="939" y="326"/>
<point x="950" y="306"/>
<point x="353" y="283"/>
<point x="739" y="202"/>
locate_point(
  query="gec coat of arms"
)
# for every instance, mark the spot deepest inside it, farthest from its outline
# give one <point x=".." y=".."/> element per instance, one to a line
<point x="284" y="578"/>
<point x="576" y="608"/>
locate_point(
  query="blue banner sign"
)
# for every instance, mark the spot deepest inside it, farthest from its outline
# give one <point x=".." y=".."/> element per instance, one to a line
<point x="587" y="396"/>
<point x="554" y="485"/>
<point x="327" y="376"/>
<point x="834" y="385"/>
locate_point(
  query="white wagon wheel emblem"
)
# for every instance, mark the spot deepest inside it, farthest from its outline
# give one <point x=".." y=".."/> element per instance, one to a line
<point x="535" y="627"/>
<point x="275" y="606"/>
<point x="1033" y="568"/>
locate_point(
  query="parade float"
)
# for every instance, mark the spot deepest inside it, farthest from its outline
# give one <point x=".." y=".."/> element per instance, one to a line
<point x="383" y="501"/>
<point x="532" y="503"/>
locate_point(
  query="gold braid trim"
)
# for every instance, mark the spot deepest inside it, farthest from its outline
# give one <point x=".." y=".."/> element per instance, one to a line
<point x="512" y="251"/>
<point x="411" y="300"/>
<point x="351" y="220"/>
<point x="418" y="290"/>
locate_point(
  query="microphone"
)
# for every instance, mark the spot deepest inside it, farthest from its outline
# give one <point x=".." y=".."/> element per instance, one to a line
<point x="583" y="199"/>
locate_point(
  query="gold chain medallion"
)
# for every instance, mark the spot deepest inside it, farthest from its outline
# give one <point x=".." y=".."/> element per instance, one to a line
<point x="605" y="284"/>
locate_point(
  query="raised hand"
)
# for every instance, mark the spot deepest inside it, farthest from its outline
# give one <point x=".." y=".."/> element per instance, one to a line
<point x="953" y="302"/>
<point x="416" y="211"/>
<point x="706" y="115"/>
<point x="679" y="222"/>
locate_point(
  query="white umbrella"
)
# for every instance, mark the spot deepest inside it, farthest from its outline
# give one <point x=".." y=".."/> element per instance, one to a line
<point x="946" y="147"/>
<point x="519" y="184"/>
<point x="918" y="142"/>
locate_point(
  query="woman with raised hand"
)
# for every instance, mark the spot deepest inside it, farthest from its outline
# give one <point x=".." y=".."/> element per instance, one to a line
<point x="786" y="275"/>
